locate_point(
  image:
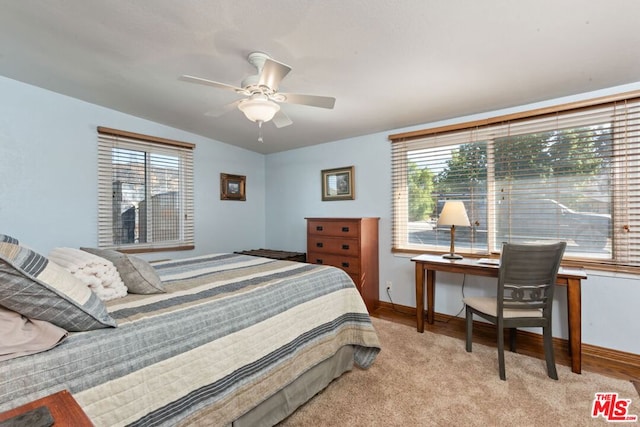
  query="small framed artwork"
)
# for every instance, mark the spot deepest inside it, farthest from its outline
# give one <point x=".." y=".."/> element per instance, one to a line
<point x="232" y="187"/>
<point x="338" y="184"/>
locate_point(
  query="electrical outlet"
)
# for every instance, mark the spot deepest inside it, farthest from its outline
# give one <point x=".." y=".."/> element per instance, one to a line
<point x="389" y="285"/>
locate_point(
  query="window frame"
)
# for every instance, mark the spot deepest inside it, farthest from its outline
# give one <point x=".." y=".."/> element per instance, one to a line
<point x="444" y="134"/>
<point x="110" y="139"/>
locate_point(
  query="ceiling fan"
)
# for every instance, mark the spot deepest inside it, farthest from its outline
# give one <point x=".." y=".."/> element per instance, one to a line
<point x="262" y="99"/>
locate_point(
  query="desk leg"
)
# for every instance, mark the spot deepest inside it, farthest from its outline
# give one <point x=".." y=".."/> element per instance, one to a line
<point x="420" y="297"/>
<point x="431" y="295"/>
<point x="574" y="312"/>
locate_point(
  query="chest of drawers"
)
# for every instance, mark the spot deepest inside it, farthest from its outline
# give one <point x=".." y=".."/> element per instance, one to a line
<point x="350" y="244"/>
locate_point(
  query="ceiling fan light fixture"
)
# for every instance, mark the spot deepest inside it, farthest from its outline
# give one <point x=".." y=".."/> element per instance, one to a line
<point x="259" y="109"/>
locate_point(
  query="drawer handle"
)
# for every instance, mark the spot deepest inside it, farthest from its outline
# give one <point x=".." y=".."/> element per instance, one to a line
<point x="319" y="261"/>
<point x="319" y="228"/>
<point x="345" y="247"/>
<point x="345" y="229"/>
<point x="319" y="244"/>
<point x="345" y="264"/>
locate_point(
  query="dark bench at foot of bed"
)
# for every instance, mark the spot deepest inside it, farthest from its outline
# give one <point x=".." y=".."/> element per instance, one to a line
<point x="275" y="254"/>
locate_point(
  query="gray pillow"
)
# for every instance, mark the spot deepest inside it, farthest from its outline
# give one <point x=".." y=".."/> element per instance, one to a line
<point x="137" y="274"/>
<point x="40" y="289"/>
<point x="8" y="239"/>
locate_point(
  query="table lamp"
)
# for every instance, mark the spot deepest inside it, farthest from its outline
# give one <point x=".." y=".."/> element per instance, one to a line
<point x="453" y="213"/>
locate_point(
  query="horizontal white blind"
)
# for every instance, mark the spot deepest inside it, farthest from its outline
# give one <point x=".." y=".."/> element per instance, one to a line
<point x="428" y="174"/>
<point x="571" y="176"/>
<point x="145" y="193"/>
<point x="626" y="181"/>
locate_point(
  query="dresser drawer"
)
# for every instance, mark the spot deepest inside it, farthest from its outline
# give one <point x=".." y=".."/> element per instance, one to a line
<point x="333" y="228"/>
<point x="349" y="264"/>
<point x="325" y="244"/>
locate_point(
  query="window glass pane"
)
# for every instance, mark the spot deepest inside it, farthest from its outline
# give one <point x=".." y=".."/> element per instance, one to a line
<point x="556" y="186"/>
<point x="129" y="190"/>
<point x="456" y="172"/>
<point x="161" y="220"/>
<point x="137" y="177"/>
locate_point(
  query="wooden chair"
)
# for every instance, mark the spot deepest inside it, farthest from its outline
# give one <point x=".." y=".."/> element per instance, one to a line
<point x="526" y="282"/>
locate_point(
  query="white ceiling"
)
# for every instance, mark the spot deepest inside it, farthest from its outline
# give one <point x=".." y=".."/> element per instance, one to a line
<point x="389" y="63"/>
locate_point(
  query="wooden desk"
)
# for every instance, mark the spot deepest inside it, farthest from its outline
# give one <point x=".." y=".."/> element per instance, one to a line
<point x="427" y="265"/>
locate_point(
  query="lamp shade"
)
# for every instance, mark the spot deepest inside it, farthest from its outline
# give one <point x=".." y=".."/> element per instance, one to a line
<point x="259" y="108"/>
<point x="454" y="213"/>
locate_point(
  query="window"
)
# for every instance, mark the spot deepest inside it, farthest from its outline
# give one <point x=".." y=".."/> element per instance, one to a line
<point x="145" y="192"/>
<point x="573" y="175"/>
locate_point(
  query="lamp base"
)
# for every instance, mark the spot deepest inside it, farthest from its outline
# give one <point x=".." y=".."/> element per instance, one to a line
<point x="452" y="256"/>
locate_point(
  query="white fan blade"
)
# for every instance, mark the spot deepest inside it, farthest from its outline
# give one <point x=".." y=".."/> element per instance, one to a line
<point x="223" y="110"/>
<point x="311" y="100"/>
<point x="199" y="80"/>
<point x="281" y="120"/>
<point x="272" y="73"/>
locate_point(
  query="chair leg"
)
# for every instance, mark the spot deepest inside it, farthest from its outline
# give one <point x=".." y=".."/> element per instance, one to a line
<point x="503" y="375"/>
<point x="548" y="353"/>
<point x="512" y="339"/>
<point x="469" y="330"/>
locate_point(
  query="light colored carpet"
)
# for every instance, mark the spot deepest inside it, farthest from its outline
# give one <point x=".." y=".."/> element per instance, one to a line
<point x="430" y="380"/>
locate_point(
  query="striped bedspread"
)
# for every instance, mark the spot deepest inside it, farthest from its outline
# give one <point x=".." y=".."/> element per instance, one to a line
<point x="230" y="331"/>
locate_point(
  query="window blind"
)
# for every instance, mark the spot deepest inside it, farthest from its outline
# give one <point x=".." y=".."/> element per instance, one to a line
<point x="145" y="192"/>
<point x="569" y="175"/>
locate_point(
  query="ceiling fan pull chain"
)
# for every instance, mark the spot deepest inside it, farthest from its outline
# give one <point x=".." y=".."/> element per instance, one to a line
<point x="260" y="131"/>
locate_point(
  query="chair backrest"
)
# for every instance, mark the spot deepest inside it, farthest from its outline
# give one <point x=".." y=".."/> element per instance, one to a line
<point x="528" y="275"/>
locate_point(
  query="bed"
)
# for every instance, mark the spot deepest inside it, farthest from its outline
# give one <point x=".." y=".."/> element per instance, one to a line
<point x="234" y="340"/>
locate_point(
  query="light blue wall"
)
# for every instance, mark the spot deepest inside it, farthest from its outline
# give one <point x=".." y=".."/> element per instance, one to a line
<point x="48" y="175"/>
<point x="294" y="187"/>
<point x="609" y="302"/>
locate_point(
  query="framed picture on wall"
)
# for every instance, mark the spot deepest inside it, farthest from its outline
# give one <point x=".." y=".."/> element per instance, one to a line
<point x="338" y="184"/>
<point x="232" y="187"/>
